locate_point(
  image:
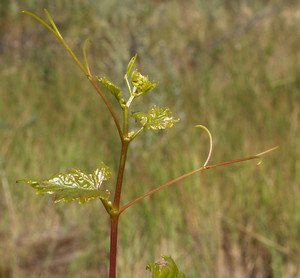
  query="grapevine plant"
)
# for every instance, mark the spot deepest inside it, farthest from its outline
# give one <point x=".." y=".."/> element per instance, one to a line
<point x="76" y="185"/>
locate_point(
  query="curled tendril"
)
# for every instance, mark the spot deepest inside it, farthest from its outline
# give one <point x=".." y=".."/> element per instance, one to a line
<point x="210" y="143"/>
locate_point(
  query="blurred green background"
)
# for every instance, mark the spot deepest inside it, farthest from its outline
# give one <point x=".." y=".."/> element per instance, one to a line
<point x="233" y="66"/>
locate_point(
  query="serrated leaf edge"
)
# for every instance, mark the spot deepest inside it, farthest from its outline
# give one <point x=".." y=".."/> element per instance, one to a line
<point x="92" y="179"/>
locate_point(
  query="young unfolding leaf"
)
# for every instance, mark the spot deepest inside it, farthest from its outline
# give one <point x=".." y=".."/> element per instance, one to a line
<point x="74" y="185"/>
<point x="142" y="83"/>
<point x="166" y="269"/>
<point x="130" y="65"/>
<point x="114" y="89"/>
<point x="156" y="118"/>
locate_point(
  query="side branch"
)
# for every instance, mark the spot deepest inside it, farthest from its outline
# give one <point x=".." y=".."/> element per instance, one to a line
<point x="201" y="169"/>
<point x="85" y="69"/>
<point x="107" y="104"/>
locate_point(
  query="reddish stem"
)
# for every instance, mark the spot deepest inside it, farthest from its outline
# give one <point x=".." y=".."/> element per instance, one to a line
<point x="114" y="221"/>
<point x="114" y="216"/>
<point x="107" y="104"/>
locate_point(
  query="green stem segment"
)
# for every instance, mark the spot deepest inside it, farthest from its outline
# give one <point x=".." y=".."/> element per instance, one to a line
<point x="114" y="215"/>
<point x="117" y="198"/>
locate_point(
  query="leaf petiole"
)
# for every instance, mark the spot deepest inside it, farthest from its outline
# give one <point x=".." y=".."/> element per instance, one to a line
<point x="130" y="100"/>
<point x="128" y="85"/>
<point x="135" y="134"/>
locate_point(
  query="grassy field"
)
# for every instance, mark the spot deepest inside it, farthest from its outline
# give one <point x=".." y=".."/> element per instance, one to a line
<point x="233" y="66"/>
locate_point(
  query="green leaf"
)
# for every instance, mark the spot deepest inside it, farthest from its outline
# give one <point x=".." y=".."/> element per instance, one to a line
<point x="114" y="89"/>
<point x="142" y="83"/>
<point x="165" y="269"/>
<point x="156" y="118"/>
<point x="130" y="65"/>
<point x="74" y="185"/>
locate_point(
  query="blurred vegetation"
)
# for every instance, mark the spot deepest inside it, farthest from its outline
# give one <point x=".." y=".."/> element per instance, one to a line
<point x="231" y="65"/>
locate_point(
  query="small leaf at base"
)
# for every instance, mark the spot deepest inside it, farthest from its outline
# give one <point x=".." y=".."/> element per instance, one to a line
<point x="165" y="269"/>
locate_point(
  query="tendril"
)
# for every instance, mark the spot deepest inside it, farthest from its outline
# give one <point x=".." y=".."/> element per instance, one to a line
<point x="210" y="143"/>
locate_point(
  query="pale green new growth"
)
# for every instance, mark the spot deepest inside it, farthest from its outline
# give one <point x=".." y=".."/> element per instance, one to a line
<point x="84" y="47"/>
<point x="156" y="118"/>
<point x="130" y="65"/>
<point x="141" y="83"/>
<point x="166" y="269"/>
<point x="74" y="185"/>
<point x="114" y="89"/>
